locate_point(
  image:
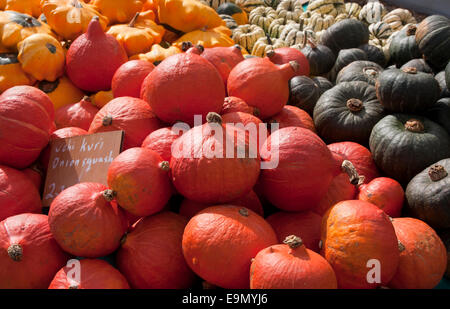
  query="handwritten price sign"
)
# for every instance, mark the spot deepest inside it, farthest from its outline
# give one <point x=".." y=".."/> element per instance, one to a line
<point x="78" y="159"/>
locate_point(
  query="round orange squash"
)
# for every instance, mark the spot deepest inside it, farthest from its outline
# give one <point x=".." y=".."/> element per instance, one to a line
<point x="85" y="223"/>
<point x="94" y="274"/>
<point x="207" y="170"/>
<point x="140" y="180"/>
<point x="79" y="115"/>
<point x="220" y="241"/>
<point x="151" y="257"/>
<point x="132" y="115"/>
<point x="423" y="257"/>
<point x="17" y="194"/>
<point x="29" y="254"/>
<point x="359" y="242"/>
<point x="385" y="193"/>
<point x="27" y="115"/>
<point x="291" y="266"/>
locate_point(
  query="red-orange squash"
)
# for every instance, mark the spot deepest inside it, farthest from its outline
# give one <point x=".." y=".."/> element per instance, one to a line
<point x="234" y="104"/>
<point x="79" y="115"/>
<point x="93" y="58"/>
<point x="27" y="115"/>
<point x="151" y="256"/>
<point x="283" y="55"/>
<point x="385" y="193"/>
<point x="17" y="193"/>
<point x="251" y="201"/>
<point x="359" y="242"/>
<point x="262" y="84"/>
<point x="220" y="241"/>
<point x="359" y="155"/>
<point x="224" y="59"/>
<point x="140" y="180"/>
<point x="182" y="86"/>
<point x="84" y="222"/>
<point x="305" y="224"/>
<point x="292" y="116"/>
<point x="131" y="115"/>
<point x="161" y="141"/>
<point x="29" y="254"/>
<point x="207" y="170"/>
<point x="423" y="257"/>
<point x="291" y="266"/>
<point x="302" y="169"/>
<point x="127" y="80"/>
<point x="94" y="274"/>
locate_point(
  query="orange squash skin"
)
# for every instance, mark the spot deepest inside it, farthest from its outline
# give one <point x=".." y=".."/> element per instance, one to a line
<point x="423" y="257"/>
<point x="198" y="174"/>
<point x="292" y="116"/>
<point x="84" y="223"/>
<point x="41" y="256"/>
<point x="17" y="193"/>
<point x="282" y="267"/>
<point x="151" y="256"/>
<point x="384" y="192"/>
<point x="220" y="241"/>
<point x="234" y="104"/>
<point x="161" y="141"/>
<point x="304" y="172"/>
<point x="140" y="182"/>
<point x="353" y="233"/>
<point x="181" y="86"/>
<point x="304" y="224"/>
<point x="95" y="274"/>
<point x="131" y="115"/>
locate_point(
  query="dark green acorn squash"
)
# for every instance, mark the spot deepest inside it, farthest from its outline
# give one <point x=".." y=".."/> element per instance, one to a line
<point x="433" y="40"/>
<point x="321" y="59"/>
<point x="347" y="33"/>
<point x="347" y="112"/>
<point x="374" y="54"/>
<point x="428" y="195"/>
<point x="402" y="145"/>
<point x="403" y="46"/>
<point x="303" y="93"/>
<point x="360" y="70"/>
<point x="344" y="58"/>
<point x="419" y="64"/>
<point x="323" y="83"/>
<point x="440" y="113"/>
<point x="407" y="90"/>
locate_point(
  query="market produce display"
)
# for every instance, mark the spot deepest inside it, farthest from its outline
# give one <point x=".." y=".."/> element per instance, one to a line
<point x="266" y="144"/>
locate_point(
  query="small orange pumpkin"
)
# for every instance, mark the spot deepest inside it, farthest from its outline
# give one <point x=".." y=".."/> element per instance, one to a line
<point x="118" y="11"/>
<point x="220" y="241"/>
<point x="291" y="266"/>
<point x="423" y="256"/>
<point x="30" y="7"/>
<point x="61" y="91"/>
<point x="138" y="36"/>
<point x="187" y="15"/>
<point x="157" y="53"/>
<point x="385" y="193"/>
<point x="358" y="237"/>
<point x="206" y="38"/>
<point x="11" y="72"/>
<point x="102" y="98"/>
<point x="70" y="18"/>
<point x="42" y="56"/>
